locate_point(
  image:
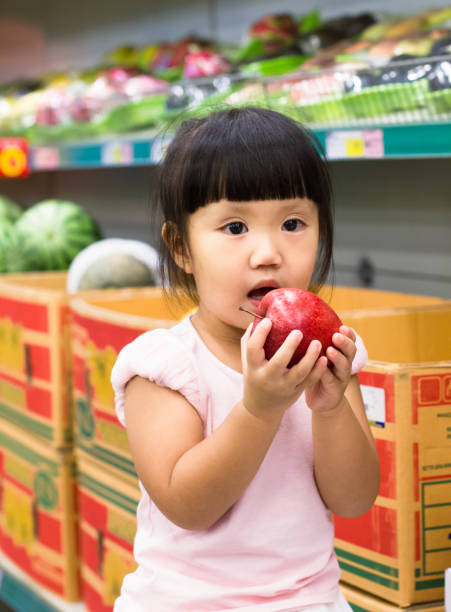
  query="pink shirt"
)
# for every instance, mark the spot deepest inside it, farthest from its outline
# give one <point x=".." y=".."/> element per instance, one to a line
<point x="273" y="550"/>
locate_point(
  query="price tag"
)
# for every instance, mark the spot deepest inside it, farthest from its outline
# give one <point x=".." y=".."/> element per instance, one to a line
<point x="46" y="158"/>
<point x="374" y="401"/>
<point x="355" y="147"/>
<point x="353" y="144"/>
<point x="117" y="153"/>
<point x="14" y="157"/>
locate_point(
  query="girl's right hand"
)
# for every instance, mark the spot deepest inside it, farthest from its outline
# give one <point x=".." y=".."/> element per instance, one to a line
<point x="269" y="386"/>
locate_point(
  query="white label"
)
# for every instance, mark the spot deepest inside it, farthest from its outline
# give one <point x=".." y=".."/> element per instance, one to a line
<point x="117" y="153"/>
<point x="350" y="144"/>
<point x="448" y="590"/>
<point x="158" y="149"/>
<point x="374" y="400"/>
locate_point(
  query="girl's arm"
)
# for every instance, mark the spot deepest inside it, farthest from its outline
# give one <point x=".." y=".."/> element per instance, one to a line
<point x="345" y="457"/>
<point x="195" y="480"/>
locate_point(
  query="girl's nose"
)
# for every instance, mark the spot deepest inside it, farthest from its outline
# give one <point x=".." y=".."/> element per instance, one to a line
<point x="265" y="253"/>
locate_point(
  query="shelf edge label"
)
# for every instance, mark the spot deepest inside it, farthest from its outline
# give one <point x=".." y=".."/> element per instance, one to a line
<point x="355" y="144"/>
<point x="117" y="153"/>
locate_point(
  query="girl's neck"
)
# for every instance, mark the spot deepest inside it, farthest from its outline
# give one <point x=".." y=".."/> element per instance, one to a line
<point x="222" y="340"/>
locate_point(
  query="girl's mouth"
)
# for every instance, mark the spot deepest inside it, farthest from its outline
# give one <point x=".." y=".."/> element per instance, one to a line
<point x="255" y="296"/>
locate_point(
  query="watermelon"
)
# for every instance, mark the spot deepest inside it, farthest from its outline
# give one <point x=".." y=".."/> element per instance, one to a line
<point x="52" y="232"/>
<point x="9" y="210"/>
<point x="9" y="248"/>
<point x="114" y="262"/>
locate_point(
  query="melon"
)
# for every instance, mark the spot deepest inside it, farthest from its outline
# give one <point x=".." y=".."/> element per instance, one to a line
<point x="9" y="249"/>
<point x="9" y="210"/>
<point x="114" y="263"/>
<point x="53" y="232"/>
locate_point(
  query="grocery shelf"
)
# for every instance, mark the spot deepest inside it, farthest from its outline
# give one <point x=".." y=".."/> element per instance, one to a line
<point x="364" y="141"/>
<point x="19" y="592"/>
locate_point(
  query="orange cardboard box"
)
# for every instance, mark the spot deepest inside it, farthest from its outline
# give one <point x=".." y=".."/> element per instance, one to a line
<point x="108" y="506"/>
<point x="101" y="327"/>
<point x="34" y="356"/>
<point x="364" y="602"/>
<point x="38" y="514"/>
<point x="400" y="548"/>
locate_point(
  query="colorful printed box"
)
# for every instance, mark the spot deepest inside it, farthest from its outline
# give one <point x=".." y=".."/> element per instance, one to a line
<point x="400" y="548"/>
<point x="364" y="602"/>
<point x="38" y="517"/>
<point x="100" y="329"/>
<point x="34" y="357"/>
<point x="107" y="529"/>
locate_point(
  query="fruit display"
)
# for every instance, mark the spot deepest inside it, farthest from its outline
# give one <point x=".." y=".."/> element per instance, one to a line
<point x="295" y="309"/>
<point x="46" y="236"/>
<point x="113" y="263"/>
<point x="334" y="71"/>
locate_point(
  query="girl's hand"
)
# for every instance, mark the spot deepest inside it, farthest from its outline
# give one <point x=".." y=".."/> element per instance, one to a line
<point x="269" y="386"/>
<point x="327" y="392"/>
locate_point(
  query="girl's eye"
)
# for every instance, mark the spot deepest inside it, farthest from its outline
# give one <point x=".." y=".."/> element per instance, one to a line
<point x="292" y="225"/>
<point x="236" y="227"/>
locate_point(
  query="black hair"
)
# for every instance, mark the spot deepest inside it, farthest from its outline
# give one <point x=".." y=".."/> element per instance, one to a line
<point x="239" y="154"/>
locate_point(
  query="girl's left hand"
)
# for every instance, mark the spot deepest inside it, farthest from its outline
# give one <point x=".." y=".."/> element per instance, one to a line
<point x="327" y="393"/>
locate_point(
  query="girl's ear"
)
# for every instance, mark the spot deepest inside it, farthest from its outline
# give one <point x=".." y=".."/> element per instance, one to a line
<point x="174" y="243"/>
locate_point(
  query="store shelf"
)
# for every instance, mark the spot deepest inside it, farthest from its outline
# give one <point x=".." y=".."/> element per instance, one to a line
<point x="122" y="150"/>
<point x="357" y="142"/>
<point x="19" y="592"/>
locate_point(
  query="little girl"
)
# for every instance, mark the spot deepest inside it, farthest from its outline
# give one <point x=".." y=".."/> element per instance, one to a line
<point x="242" y="461"/>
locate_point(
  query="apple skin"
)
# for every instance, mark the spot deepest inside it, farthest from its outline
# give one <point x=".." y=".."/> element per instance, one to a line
<point x="291" y="309"/>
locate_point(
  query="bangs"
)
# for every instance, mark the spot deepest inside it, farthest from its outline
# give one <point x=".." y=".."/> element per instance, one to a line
<point x="243" y="155"/>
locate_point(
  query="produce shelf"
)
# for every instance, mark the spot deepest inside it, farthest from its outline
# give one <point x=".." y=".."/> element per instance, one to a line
<point x="356" y="142"/>
<point x="19" y="592"/>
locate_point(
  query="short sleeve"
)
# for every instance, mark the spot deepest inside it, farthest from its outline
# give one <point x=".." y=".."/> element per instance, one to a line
<point x="361" y="357"/>
<point x="162" y="358"/>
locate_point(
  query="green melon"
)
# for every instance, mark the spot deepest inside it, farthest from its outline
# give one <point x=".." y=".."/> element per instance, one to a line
<point x="10" y="257"/>
<point x="9" y="210"/>
<point x="52" y="232"/>
<point x="116" y="270"/>
<point x="114" y="262"/>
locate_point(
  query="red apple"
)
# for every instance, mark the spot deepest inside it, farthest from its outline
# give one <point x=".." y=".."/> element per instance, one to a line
<point x="291" y="309"/>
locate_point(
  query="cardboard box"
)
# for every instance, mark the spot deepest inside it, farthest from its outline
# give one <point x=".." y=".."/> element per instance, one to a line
<point x="38" y="515"/>
<point x="107" y="530"/>
<point x="101" y="327"/>
<point x="364" y="602"/>
<point x="400" y="548"/>
<point x="34" y="356"/>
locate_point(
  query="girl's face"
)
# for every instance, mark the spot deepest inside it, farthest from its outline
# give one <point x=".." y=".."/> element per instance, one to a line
<point x="238" y="251"/>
